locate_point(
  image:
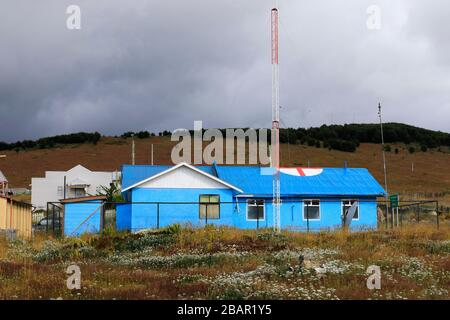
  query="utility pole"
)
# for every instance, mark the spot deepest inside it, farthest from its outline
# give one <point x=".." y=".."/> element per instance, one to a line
<point x="384" y="165"/>
<point x="152" y="155"/>
<point x="132" y="150"/>
<point x="64" y="188"/>
<point x="275" y="150"/>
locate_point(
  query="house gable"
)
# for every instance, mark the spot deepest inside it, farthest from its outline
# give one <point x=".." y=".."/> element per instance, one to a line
<point x="183" y="176"/>
<point x="79" y="169"/>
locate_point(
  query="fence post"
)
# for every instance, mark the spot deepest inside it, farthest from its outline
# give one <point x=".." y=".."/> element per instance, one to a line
<point x="157" y="215"/>
<point x="387" y="215"/>
<point x="102" y="217"/>
<point x="61" y="221"/>
<point x="401" y="218"/>
<point x="397" y="216"/>
<point x="53" y="220"/>
<point x="393" y="217"/>
<point x="418" y="212"/>
<point x="437" y="214"/>
<point x="257" y="219"/>
<point x="46" y="225"/>
<point x="10" y="213"/>
<point x="307" y="218"/>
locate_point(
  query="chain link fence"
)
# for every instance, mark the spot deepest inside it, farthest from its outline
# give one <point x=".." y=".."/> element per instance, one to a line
<point x="296" y="215"/>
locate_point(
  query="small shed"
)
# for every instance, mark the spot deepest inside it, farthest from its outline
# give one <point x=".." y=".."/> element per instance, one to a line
<point x="16" y="215"/>
<point x="82" y="215"/>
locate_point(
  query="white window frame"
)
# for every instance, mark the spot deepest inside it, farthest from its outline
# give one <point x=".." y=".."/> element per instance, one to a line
<point x="304" y="211"/>
<point x="264" y="209"/>
<point x="342" y="207"/>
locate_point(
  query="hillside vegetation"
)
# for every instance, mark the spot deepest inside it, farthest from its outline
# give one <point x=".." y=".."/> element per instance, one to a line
<point x="412" y="171"/>
<point x="348" y="137"/>
<point x="338" y="137"/>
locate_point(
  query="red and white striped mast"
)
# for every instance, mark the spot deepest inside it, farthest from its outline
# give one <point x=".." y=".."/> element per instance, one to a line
<point x="275" y="143"/>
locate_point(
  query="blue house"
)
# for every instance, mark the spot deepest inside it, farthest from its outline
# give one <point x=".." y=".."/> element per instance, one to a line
<point x="241" y="196"/>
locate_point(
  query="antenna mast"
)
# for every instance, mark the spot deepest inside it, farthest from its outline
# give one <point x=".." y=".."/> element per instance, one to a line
<point x="275" y="143"/>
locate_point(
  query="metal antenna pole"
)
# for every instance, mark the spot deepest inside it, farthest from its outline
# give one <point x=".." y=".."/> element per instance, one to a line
<point x="384" y="164"/>
<point x="275" y="137"/>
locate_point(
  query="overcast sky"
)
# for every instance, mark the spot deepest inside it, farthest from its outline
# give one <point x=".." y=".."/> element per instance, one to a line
<point x="154" y="65"/>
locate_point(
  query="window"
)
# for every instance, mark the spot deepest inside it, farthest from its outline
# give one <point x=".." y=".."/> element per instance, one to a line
<point x="346" y="205"/>
<point x="311" y="210"/>
<point x="255" y="210"/>
<point x="60" y="192"/>
<point x="209" y="206"/>
<point x="78" y="192"/>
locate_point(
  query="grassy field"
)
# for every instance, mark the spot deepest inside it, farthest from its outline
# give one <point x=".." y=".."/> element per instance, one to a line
<point x="225" y="263"/>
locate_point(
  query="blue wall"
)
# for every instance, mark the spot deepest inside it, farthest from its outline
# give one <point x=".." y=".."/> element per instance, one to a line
<point x="234" y="212"/>
<point x="75" y="213"/>
<point x="146" y="215"/>
<point x="291" y="213"/>
<point x="123" y="216"/>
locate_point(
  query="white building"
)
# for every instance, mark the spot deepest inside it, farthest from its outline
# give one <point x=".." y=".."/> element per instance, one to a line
<point x="79" y="182"/>
<point x="3" y="184"/>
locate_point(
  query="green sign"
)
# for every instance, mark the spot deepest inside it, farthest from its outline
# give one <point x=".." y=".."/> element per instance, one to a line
<point x="394" y="200"/>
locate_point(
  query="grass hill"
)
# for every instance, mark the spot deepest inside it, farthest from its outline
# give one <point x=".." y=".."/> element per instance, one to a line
<point x="419" y="174"/>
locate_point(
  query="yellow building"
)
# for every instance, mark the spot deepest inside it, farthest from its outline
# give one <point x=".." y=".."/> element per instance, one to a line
<point x="17" y="216"/>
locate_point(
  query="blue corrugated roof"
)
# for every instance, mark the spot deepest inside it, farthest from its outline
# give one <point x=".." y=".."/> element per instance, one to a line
<point x="332" y="181"/>
<point x="253" y="180"/>
<point x="132" y="174"/>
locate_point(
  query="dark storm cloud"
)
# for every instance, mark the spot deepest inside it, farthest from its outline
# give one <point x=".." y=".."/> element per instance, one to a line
<point x="163" y="64"/>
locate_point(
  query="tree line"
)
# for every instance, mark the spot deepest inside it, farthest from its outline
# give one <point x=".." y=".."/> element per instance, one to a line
<point x="348" y="137"/>
<point x="50" y="142"/>
<point x="345" y="137"/>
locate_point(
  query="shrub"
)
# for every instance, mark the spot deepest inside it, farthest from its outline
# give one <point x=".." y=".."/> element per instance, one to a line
<point x="342" y="145"/>
<point x="65" y="249"/>
<point x="140" y="242"/>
